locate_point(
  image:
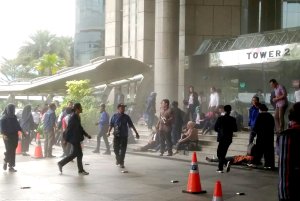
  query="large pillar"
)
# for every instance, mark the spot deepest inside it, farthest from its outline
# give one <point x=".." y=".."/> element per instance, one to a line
<point x="270" y="15"/>
<point x="249" y="16"/>
<point x="166" y="49"/>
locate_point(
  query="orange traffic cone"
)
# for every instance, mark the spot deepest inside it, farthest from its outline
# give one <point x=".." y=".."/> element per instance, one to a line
<point x="19" y="147"/>
<point x="194" y="184"/>
<point x="218" y="192"/>
<point x="38" y="153"/>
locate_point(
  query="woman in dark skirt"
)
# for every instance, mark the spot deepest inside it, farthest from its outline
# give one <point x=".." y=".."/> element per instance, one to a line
<point x="9" y="129"/>
<point x="27" y="125"/>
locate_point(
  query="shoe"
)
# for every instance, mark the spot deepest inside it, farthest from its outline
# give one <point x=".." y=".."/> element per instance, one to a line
<point x="107" y="153"/>
<point x="228" y="166"/>
<point x="251" y="165"/>
<point x="161" y="154"/>
<point x="219" y="171"/>
<point x="25" y="154"/>
<point x="268" y="168"/>
<point x="4" y="166"/>
<point x="117" y="163"/>
<point x="122" y="166"/>
<point x="83" y="172"/>
<point x="11" y="169"/>
<point x="59" y="167"/>
<point x="96" y="151"/>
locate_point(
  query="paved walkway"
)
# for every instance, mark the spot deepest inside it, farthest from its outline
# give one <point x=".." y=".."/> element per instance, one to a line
<point x="148" y="178"/>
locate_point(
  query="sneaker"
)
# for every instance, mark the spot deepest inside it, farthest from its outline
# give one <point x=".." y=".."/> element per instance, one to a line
<point x="251" y="165"/>
<point x="107" y="153"/>
<point x="268" y="168"/>
<point x="219" y="171"/>
<point x="59" y="167"/>
<point x="122" y="166"/>
<point x="228" y="166"/>
<point x="25" y="154"/>
<point x="11" y="169"/>
<point x="96" y="151"/>
<point x="4" y="166"/>
<point x="83" y="172"/>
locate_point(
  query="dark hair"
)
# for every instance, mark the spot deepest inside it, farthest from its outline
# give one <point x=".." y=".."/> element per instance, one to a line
<point x="294" y="113"/>
<point x="76" y="106"/>
<point x="175" y="104"/>
<point x="227" y="108"/>
<point x="166" y="101"/>
<point x="263" y="107"/>
<point x="257" y="99"/>
<point x="272" y="81"/>
<point x="68" y="110"/>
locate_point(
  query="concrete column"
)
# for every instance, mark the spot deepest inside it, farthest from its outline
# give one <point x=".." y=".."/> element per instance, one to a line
<point x="113" y="27"/>
<point x="271" y="14"/>
<point x="249" y="16"/>
<point x="166" y="49"/>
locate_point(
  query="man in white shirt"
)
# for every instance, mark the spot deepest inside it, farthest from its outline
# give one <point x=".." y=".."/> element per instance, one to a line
<point x="214" y="99"/>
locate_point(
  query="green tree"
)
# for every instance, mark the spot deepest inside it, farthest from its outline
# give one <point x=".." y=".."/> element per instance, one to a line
<point x="12" y="70"/>
<point x="49" y="64"/>
<point x="80" y="91"/>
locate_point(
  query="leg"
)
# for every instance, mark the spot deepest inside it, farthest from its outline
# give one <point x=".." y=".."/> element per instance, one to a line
<point x="169" y="142"/>
<point x="76" y="149"/>
<point x="98" y="143"/>
<point x="106" y="143"/>
<point x="269" y="155"/>
<point x="117" y="142"/>
<point x="277" y="120"/>
<point x="162" y="142"/>
<point x="79" y="157"/>
<point x="281" y="118"/>
<point x="12" y="145"/>
<point x="251" y="137"/>
<point x="123" y="144"/>
<point x="46" y="136"/>
<point x="221" y="153"/>
<point x="51" y="142"/>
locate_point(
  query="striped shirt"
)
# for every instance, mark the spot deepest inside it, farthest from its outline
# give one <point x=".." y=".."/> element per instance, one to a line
<point x="289" y="164"/>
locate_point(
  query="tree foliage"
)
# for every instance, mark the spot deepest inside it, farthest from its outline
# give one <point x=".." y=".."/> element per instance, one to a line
<point x="49" y="64"/>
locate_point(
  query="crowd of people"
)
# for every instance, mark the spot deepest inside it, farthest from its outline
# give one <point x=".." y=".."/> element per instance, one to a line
<point x="174" y="129"/>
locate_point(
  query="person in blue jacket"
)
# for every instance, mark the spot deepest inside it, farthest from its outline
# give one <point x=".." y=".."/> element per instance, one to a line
<point x="253" y="113"/>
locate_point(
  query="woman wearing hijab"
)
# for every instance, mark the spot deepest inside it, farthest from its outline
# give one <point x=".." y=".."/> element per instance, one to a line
<point x="9" y="129"/>
<point x="27" y="125"/>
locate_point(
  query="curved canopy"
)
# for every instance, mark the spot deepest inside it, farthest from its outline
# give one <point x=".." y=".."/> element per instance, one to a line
<point x="102" y="71"/>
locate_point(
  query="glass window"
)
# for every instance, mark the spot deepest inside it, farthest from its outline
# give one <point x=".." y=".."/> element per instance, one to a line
<point x="291" y="14"/>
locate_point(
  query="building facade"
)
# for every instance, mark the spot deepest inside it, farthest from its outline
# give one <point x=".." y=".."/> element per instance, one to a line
<point x="173" y="37"/>
<point x="89" y="31"/>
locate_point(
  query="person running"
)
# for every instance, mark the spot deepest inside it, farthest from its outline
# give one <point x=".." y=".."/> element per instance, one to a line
<point x="75" y="135"/>
<point x="9" y="129"/>
<point x="225" y="126"/>
<point x="120" y="122"/>
<point x="103" y="124"/>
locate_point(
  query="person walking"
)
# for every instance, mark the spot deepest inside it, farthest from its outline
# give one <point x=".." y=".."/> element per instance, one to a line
<point x="49" y="120"/>
<point x="9" y="129"/>
<point x="120" y="122"/>
<point x="151" y="109"/>
<point x="214" y="99"/>
<point x="27" y="125"/>
<point x="164" y="127"/>
<point x="103" y="124"/>
<point x="75" y="135"/>
<point x="281" y="102"/>
<point x="289" y="160"/>
<point x="225" y="126"/>
<point x="264" y="130"/>
<point x="192" y="104"/>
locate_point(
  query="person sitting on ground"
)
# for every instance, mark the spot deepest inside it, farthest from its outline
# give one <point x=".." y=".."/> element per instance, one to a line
<point x="209" y="122"/>
<point x="190" y="136"/>
<point x="153" y="143"/>
<point x="199" y="118"/>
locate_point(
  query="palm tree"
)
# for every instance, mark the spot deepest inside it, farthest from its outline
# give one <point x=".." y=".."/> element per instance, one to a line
<point x="49" y="64"/>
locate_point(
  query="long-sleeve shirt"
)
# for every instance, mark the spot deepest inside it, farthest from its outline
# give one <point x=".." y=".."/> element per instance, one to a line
<point x="214" y="100"/>
<point x="103" y="122"/>
<point x="253" y="113"/>
<point x="225" y="126"/>
<point x="49" y="120"/>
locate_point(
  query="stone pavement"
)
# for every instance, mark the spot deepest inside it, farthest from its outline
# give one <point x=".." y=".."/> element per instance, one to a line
<point x="148" y="178"/>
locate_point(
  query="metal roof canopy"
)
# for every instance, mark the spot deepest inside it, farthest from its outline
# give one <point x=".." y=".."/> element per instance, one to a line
<point x="103" y="71"/>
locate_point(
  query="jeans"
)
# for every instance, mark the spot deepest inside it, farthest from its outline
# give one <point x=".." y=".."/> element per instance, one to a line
<point x="102" y="133"/>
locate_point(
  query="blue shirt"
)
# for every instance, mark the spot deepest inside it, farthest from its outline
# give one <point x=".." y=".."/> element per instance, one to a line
<point x="103" y="120"/>
<point x="123" y="121"/>
<point x="253" y="113"/>
<point x="49" y="120"/>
